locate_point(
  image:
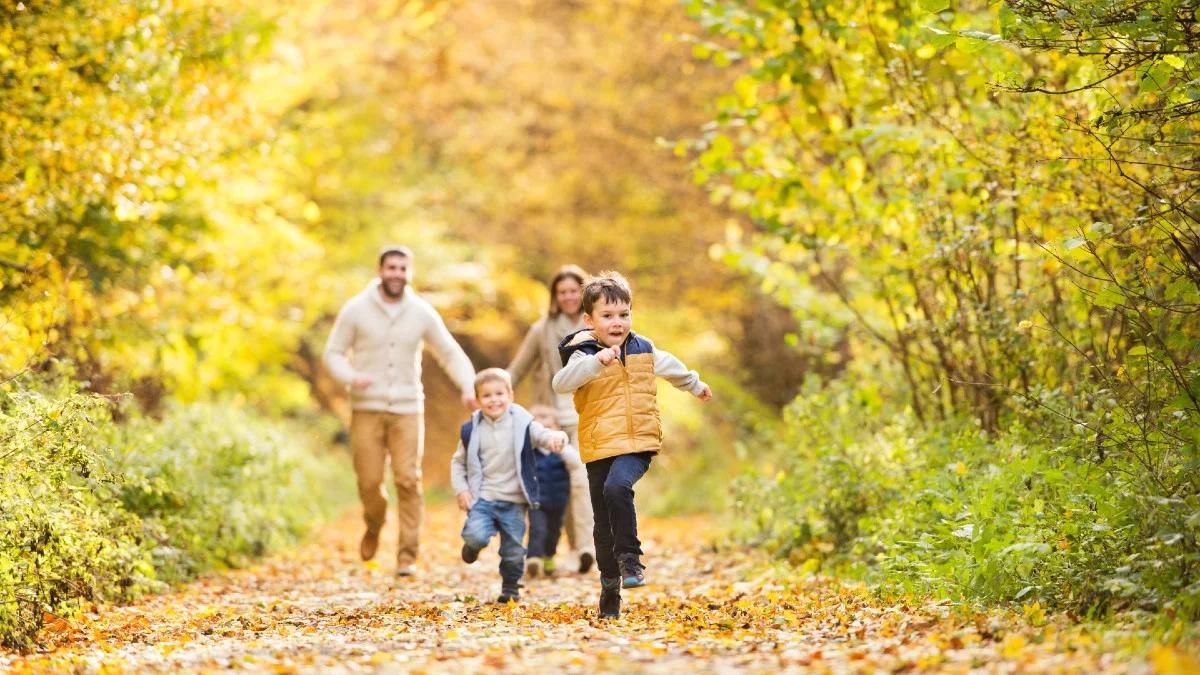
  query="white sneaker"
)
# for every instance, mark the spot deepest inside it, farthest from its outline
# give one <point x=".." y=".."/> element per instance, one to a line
<point x="406" y="571"/>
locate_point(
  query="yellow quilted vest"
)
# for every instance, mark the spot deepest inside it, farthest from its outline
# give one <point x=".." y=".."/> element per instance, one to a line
<point x="618" y="411"/>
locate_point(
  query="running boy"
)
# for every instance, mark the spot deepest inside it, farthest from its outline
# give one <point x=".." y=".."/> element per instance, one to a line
<point x="612" y="372"/>
<point x="493" y="472"/>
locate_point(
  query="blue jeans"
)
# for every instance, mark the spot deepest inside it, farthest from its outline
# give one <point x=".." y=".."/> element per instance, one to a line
<point x="611" y="481"/>
<point x="484" y="521"/>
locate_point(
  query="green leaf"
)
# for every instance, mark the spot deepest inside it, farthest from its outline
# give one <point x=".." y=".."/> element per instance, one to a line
<point x="941" y="38"/>
<point x="1110" y="297"/>
<point x="1182" y="290"/>
<point x="1008" y="21"/>
<point x="969" y="44"/>
<point x="1155" y="77"/>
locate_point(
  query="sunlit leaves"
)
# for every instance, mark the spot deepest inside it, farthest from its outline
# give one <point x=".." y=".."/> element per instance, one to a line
<point x="100" y="512"/>
<point x="1008" y="257"/>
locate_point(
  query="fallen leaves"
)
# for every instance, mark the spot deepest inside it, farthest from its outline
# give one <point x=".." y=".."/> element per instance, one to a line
<point x="318" y="608"/>
<point x="53" y="625"/>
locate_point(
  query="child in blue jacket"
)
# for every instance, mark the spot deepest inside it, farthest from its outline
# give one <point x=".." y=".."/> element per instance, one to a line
<point x="494" y="474"/>
<point x="554" y="485"/>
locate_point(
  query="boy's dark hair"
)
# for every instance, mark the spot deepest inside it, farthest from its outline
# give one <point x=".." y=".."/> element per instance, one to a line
<point x="394" y="249"/>
<point x="608" y="285"/>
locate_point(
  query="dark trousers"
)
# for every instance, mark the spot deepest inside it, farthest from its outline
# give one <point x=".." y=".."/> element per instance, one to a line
<point x="545" y="528"/>
<point x="611" y="484"/>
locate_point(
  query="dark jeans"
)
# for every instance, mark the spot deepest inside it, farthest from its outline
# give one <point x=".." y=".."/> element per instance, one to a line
<point x="484" y="521"/>
<point x="611" y="483"/>
<point x="545" y="527"/>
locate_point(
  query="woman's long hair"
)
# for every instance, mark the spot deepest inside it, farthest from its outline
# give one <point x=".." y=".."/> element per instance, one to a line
<point x="565" y="272"/>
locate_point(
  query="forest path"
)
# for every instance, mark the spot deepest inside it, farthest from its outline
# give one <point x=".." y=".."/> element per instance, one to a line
<point x="320" y="609"/>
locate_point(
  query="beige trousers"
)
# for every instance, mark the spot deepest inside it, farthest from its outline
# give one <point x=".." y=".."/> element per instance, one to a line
<point x="579" y="508"/>
<point x="376" y="437"/>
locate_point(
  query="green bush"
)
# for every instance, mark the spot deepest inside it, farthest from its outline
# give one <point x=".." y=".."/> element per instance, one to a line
<point x="943" y="509"/>
<point x="92" y="509"/>
<point x="217" y="485"/>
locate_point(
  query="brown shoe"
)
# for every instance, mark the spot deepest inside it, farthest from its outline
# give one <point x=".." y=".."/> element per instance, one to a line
<point x="369" y="544"/>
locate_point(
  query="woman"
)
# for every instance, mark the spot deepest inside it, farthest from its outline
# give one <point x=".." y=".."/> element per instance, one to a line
<point x="538" y="357"/>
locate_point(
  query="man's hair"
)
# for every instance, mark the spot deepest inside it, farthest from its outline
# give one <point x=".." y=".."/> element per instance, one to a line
<point x="565" y="272"/>
<point x="608" y="285"/>
<point x="492" y="375"/>
<point x="394" y="249"/>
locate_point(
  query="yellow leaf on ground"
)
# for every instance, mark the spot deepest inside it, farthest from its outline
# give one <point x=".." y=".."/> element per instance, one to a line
<point x="1168" y="660"/>
<point x="1013" y="646"/>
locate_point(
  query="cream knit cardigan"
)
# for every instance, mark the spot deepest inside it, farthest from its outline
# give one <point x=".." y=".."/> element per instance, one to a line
<point x="388" y="349"/>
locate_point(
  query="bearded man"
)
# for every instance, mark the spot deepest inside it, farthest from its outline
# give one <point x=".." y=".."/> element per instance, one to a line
<point x="375" y="349"/>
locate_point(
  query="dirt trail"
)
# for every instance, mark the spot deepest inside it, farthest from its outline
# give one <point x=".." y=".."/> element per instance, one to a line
<point x="319" y="609"/>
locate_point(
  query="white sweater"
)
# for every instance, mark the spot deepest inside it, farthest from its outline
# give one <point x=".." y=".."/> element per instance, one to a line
<point x="387" y="348"/>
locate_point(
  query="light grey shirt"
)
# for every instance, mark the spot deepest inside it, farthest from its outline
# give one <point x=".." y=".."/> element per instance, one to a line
<point x="393" y="309"/>
<point x="501" y="479"/>
<point x="482" y="470"/>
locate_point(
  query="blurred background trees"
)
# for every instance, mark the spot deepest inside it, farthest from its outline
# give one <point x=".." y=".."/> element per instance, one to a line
<point x="223" y="175"/>
<point x="939" y="259"/>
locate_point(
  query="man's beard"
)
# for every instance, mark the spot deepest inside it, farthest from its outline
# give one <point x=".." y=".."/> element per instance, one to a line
<point x="387" y="289"/>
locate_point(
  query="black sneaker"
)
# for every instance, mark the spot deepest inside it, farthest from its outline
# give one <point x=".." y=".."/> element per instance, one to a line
<point x="633" y="573"/>
<point x="586" y="560"/>
<point x="469" y="555"/>
<point x="610" y="598"/>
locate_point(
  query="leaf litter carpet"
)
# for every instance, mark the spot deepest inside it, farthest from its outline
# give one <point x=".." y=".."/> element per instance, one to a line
<point x="321" y="609"/>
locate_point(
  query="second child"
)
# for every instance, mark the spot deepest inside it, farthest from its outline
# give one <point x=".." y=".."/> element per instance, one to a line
<point x="494" y="475"/>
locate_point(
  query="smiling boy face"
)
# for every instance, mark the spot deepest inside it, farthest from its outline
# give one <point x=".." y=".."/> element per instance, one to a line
<point x="610" y="321"/>
<point x="494" y="398"/>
